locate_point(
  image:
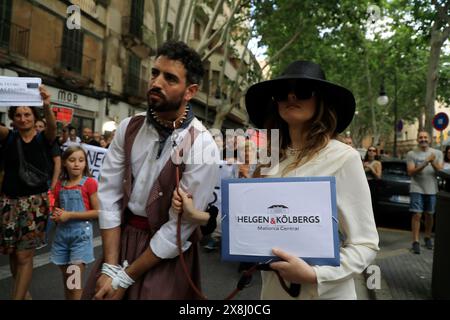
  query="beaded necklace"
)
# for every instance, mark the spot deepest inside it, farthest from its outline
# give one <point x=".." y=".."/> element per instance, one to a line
<point x="170" y="124"/>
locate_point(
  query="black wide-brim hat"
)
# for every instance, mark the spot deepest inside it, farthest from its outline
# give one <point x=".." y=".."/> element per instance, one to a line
<point x="258" y="99"/>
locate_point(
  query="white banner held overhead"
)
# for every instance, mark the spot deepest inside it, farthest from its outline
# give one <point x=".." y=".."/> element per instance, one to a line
<point x="17" y="91"/>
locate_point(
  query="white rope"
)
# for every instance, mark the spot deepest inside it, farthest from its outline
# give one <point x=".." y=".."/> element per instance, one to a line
<point x="118" y="275"/>
<point x="110" y="270"/>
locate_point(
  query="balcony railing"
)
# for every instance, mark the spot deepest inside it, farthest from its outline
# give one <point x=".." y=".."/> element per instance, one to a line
<point x="132" y="28"/>
<point x="73" y="65"/>
<point x="14" y="38"/>
<point x="136" y="87"/>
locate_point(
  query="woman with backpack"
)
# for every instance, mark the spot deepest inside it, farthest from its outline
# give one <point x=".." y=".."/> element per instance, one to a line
<point x="24" y="205"/>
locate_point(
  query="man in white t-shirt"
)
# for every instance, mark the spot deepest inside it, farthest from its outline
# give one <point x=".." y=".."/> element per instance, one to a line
<point x="423" y="163"/>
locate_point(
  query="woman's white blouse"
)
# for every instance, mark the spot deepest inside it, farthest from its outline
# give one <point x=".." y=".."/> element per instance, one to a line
<point x="359" y="245"/>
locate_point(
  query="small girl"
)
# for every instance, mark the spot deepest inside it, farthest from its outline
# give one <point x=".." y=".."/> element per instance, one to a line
<point x="75" y="204"/>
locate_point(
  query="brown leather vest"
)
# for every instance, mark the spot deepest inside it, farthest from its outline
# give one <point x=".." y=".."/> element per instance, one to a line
<point x="159" y="199"/>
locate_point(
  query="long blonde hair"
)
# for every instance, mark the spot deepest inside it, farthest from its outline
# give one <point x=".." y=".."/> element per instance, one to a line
<point x="322" y="128"/>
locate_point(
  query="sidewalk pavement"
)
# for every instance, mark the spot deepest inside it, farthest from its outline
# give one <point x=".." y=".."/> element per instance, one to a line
<point x="404" y="275"/>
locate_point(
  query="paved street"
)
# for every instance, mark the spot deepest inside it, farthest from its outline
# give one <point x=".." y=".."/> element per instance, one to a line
<point x="218" y="278"/>
<point x="404" y="275"/>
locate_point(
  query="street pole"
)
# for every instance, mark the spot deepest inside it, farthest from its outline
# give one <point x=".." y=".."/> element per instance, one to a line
<point x="108" y="91"/>
<point x="207" y="107"/>
<point x="394" y="150"/>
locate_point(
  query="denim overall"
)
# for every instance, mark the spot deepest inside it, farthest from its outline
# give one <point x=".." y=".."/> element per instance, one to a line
<point x="73" y="240"/>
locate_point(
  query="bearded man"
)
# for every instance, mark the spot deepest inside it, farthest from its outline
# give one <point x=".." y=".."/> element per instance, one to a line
<point x="138" y="225"/>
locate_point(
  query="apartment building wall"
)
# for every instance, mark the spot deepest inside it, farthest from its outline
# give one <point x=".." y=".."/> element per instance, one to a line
<point x="115" y="66"/>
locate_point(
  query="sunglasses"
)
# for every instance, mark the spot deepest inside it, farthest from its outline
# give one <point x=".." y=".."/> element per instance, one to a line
<point x="372" y="150"/>
<point x="302" y="91"/>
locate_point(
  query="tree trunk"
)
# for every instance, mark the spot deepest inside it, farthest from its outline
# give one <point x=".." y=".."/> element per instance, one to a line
<point x="370" y="101"/>
<point x="285" y="47"/>
<point x="437" y="40"/>
<point x="204" y="40"/>
<point x="176" y="29"/>
<point x="164" y="17"/>
<point x="222" y="111"/>
<point x="158" y="30"/>
<point x="432" y="81"/>
<point x="188" y="21"/>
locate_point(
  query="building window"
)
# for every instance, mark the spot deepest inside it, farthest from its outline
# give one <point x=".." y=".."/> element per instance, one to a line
<point x="197" y="30"/>
<point x="169" y="30"/>
<point x="5" y="22"/>
<point x="134" y="76"/>
<point x="72" y="50"/>
<point x="137" y="18"/>
<point x="82" y="122"/>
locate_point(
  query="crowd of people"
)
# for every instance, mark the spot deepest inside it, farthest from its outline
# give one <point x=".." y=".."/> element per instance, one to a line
<point x="142" y="190"/>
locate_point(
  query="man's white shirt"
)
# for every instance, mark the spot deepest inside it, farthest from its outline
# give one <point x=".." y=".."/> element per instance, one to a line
<point x="198" y="179"/>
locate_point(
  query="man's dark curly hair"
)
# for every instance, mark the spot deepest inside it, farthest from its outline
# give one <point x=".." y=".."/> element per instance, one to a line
<point x="180" y="51"/>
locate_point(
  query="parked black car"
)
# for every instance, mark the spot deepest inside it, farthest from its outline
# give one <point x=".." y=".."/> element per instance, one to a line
<point x="390" y="194"/>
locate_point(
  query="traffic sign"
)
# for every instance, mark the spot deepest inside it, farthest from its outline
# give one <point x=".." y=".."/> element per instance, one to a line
<point x="440" y="121"/>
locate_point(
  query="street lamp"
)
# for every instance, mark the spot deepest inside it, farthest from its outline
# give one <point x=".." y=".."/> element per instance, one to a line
<point x="383" y="100"/>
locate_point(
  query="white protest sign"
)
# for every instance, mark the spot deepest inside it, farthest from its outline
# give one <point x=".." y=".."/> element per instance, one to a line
<point x="17" y="91"/>
<point x="297" y="215"/>
<point x="95" y="157"/>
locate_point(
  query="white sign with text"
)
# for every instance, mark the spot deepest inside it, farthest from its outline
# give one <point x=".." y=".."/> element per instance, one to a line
<point x="17" y="92"/>
<point x="95" y="157"/>
<point x="297" y="215"/>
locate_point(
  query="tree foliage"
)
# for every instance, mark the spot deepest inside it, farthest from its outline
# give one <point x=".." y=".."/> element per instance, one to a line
<point x="354" y="54"/>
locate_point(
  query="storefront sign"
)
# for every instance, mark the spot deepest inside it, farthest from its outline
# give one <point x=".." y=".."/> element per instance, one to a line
<point x="67" y="96"/>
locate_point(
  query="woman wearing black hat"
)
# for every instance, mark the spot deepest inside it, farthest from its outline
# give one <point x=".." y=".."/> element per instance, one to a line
<point x="309" y="113"/>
